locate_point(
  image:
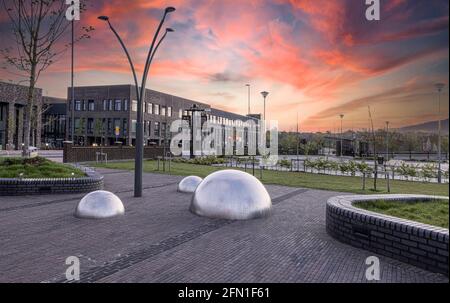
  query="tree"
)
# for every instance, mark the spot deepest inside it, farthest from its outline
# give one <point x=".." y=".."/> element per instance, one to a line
<point x="81" y="129"/>
<point x="98" y="130"/>
<point x="37" y="26"/>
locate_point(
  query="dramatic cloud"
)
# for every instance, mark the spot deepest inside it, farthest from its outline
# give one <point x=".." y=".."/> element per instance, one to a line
<point x="316" y="57"/>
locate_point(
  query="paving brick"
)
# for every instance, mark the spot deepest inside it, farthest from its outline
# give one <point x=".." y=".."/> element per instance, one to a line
<point x="159" y="240"/>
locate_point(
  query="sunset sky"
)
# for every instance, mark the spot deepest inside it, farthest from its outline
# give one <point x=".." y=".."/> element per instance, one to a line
<point x="317" y="58"/>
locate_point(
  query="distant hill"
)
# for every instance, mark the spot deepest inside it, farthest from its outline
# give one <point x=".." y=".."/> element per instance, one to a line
<point x="428" y="127"/>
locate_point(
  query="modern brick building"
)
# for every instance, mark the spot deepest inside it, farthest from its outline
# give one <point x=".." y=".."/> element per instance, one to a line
<point x="109" y="113"/>
<point x="103" y="115"/>
<point x="13" y="101"/>
<point x="48" y="121"/>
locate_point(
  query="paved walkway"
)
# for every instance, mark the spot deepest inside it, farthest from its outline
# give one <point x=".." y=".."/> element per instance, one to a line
<point x="159" y="240"/>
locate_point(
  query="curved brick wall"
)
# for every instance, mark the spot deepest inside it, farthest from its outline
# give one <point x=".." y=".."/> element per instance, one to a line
<point x="411" y="242"/>
<point x="20" y="187"/>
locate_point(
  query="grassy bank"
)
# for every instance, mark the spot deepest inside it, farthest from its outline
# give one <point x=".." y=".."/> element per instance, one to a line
<point x="297" y="179"/>
<point x="36" y="168"/>
<point x="429" y="212"/>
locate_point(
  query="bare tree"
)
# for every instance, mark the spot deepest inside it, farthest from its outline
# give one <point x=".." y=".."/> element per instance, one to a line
<point x="37" y="26"/>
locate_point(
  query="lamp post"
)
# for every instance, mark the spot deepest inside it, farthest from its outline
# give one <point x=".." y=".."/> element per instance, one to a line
<point x="342" y="118"/>
<point x="439" y="87"/>
<point x="248" y="86"/>
<point x="140" y="95"/>
<point x="72" y="90"/>
<point x="387" y="140"/>
<point x="264" y="94"/>
<point x="194" y="109"/>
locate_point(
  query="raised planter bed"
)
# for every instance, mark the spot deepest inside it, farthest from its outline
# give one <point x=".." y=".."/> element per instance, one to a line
<point x="421" y="245"/>
<point x="39" y="186"/>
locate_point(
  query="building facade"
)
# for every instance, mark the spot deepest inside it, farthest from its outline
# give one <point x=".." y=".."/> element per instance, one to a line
<point x="108" y="114"/>
<point x="53" y="122"/>
<point x="13" y="101"/>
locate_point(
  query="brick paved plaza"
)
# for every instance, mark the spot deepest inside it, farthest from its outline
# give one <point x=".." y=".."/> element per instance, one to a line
<point x="159" y="240"/>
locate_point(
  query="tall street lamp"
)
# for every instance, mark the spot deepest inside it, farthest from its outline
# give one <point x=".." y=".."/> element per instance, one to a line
<point x="248" y="86"/>
<point x="72" y="89"/>
<point x="140" y="95"/>
<point x="439" y="87"/>
<point x="387" y="140"/>
<point x="264" y="94"/>
<point x="342" y="118"/>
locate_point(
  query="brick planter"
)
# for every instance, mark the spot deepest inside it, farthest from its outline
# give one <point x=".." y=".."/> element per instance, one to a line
<point x="421" y="245"/>
<point x="20" y="187"/>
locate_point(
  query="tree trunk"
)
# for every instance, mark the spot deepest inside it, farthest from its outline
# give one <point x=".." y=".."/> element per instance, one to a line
<point x="28" y="113"/>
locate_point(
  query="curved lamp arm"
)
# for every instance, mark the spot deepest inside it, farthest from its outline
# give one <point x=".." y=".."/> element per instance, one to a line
<point x="159" y="43"/>
<point x="149" y="56"/>
<point x="129" y="58"/>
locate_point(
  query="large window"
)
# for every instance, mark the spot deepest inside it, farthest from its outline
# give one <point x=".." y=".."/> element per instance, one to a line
<point x="125" y="127"/>
<point x="156" y="109"/>
<point x="77" y="124"/>
<point x="125" y="105"/>
<point x="118" y="105"/>
<point x="134" y="106"/>
<point x="109" y="125"/>
<point x="157" y="129"/>
<point x="180" y="113"/>
<point x="105" y="105"/>
<point x="149" y="108"/>
<point x="90" y="126"/>
<point x="163" y="130"/>
<point x="77" y="105"/>
<point x="91" y="105"/>
<point x="117" y="126"/>
<point x="110" y="105"/>
<point x="163" y="110"/>
<point x="133" y="126"/>
<point x="169" y="111"/>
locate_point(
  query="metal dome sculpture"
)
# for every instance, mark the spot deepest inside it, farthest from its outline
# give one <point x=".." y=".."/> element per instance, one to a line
<point x="231" y="194"/>
<point x="189" y="184"/>
<point x="98" y="205"/>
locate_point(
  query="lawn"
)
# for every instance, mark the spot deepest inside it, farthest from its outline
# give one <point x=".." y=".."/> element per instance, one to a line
<point x="429" y="212"/>
<point x="296" y="179"/>
<point x="36" y="168"/>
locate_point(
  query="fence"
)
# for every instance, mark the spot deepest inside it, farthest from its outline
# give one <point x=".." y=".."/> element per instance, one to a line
<point x="73" y="154"/>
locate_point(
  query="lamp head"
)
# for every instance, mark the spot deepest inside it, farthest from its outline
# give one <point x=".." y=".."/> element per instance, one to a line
<point x="103" y="18"/>
<point x="169" y="9"/>
<point x="342" y="116"/>
<point x="169" y="30"/>
<point x="264" y="94"/>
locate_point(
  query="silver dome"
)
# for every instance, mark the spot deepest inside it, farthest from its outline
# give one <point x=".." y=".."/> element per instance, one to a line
<point x="99" y="204"/>
<point x="231" y="194"/>
<point x="189" y="184"/>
